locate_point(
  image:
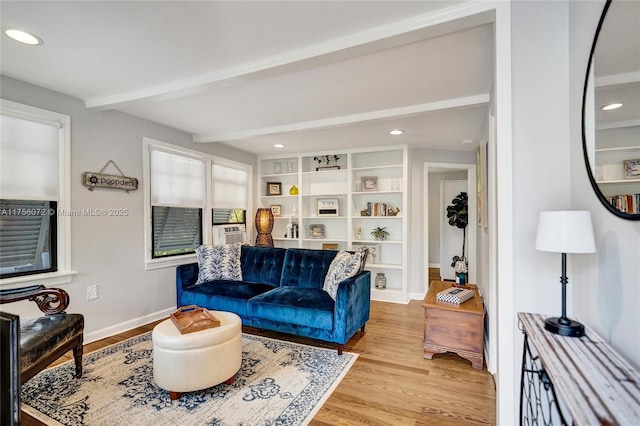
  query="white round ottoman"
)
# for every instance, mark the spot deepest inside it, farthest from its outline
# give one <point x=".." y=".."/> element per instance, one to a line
<point x="198" y="360"/>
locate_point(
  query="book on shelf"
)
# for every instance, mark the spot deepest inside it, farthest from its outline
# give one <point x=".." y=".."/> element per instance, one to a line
<point x="628" y="203"/>
<point x="381" y="209"/>
<point x="455" y="295"/>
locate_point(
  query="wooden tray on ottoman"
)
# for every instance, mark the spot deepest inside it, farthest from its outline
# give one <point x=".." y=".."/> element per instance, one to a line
<point x="192" y="318"/>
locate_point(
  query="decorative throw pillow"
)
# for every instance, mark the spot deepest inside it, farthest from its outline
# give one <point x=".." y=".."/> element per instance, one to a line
<point x="344" y="265"/>
<point x="219" y="263"/>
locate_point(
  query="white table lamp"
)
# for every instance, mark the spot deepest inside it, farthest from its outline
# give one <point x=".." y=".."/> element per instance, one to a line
<point x="565" y="232"/>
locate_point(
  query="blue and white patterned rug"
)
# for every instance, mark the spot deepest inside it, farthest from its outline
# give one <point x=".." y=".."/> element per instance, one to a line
<point x="279" y="383"/>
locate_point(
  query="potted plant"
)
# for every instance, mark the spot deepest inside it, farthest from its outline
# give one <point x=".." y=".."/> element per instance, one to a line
<point x="380" y="234"/>
<point x="457" y="213"/>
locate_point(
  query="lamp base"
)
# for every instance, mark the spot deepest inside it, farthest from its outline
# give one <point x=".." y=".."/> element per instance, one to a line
<point x="564" y="327"/>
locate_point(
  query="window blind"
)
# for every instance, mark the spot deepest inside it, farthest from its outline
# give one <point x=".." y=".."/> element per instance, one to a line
<point x="230" y="187"/>
<point x="177" y="180"/>
<point x="28" y="160"/>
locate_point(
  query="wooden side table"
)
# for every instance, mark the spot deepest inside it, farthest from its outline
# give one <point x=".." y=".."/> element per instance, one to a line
<point x="454" y="328"/>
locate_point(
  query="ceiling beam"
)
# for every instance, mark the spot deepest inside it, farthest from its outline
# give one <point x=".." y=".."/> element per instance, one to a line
<point x="401" y="112"/>
<point x="420" y="27"/>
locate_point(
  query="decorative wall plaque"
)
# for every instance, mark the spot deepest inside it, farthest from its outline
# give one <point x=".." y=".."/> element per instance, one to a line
<point x="99" y="180"/>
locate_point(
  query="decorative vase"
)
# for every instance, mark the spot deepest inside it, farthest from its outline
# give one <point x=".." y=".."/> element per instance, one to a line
<point x="293" y="190"/>
<point x="381" y="280"/>
<point x="461" y="278"/>
<point x="277" y="167"/>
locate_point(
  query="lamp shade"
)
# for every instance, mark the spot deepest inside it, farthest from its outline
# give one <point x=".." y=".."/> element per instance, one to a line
<point x="565" y="232"/>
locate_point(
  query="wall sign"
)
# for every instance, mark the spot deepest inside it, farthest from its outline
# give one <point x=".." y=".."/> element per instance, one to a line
<point x="94" y="180"/>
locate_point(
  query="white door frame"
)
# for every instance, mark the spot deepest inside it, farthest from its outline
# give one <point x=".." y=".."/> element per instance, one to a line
<point x="471" y="229"/>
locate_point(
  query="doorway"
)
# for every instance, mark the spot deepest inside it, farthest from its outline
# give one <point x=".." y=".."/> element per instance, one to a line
<point x="435" y="217"/>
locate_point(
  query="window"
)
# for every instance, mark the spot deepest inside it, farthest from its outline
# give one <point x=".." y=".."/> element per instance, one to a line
<point x="230" y="193"/>
<point x="177" y="200"/>
<point x="175" y="230"/>
<point x="187" y="192"/>
<point x="34" y="187"/>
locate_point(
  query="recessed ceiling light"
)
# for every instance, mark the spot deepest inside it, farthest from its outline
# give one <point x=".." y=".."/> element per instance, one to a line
<point x="611" y="106"/>
<point x="278" y="145"/>
<point x="396" y="132"/>
<point x="23" y="36"/>
<point x="468" y="141"/>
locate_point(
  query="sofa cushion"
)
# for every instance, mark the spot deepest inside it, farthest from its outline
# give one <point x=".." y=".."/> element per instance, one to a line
<point x="306" y="268"/>
<point x="310" y="307"/>
<point x="224" y="295"/>
<point x="219" y="262"/>
<point x="344" y="265"/>
<point x="262" y="264"/>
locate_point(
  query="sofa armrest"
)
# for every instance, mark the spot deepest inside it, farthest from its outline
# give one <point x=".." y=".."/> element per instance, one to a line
<point x="353" y="303"/>
<point x="49" y="300"/>
<point x="186" y="276"/>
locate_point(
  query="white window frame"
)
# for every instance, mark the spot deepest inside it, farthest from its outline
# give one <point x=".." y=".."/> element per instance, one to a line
<point x="64" y="274"/>
<point x="148" y="144"/>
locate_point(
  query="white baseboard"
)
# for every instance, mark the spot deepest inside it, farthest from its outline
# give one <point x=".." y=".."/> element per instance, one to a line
<point x="127" y="325"/>
<point x="417" y="296"/>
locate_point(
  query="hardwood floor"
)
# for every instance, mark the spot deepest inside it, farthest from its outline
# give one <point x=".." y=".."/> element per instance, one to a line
<point x="390" y="383"/>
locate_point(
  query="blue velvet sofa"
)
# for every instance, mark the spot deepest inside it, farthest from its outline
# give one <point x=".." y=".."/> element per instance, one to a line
<point x="282" y="290"/>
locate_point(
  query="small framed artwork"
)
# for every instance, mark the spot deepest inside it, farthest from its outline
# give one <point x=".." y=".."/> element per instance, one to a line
<point x="316" y="230"/>
<point x="369" y="183"/>
<point x="276" y="210"/>
<point x="327" y="207"/>
<point x="274" y="188"/>
<point x="632" y="169"/>
<point x="330" y="246"/>
<point x="374" y="253"/>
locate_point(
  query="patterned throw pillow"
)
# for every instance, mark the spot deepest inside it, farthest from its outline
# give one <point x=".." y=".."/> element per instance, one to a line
<point x="219" y="263"/>
<point x="344" y="265"/>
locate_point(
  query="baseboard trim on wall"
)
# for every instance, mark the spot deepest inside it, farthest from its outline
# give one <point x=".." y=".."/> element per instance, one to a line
<point x="127" y="325"/>
<point x="417" y="296"/>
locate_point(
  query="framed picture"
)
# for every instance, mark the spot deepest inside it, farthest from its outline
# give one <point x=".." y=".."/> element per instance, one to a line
<point x="274" y="188"/>
<point x="327" y="207"/>
<point x="632" y="169"/>
<point x="316" y="230"/>
<point x="369" y="183"/>
<point x="330" y="246"/>
<point x="276" y="210"/>
<point x="374" y="253"/>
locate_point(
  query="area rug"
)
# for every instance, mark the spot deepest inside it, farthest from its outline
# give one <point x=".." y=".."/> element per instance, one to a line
<point x="279" y="383"/>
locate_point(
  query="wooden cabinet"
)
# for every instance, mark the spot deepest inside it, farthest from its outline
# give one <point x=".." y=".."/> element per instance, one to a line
<point x="374" y="181"/>
<point x="449" y="327"/>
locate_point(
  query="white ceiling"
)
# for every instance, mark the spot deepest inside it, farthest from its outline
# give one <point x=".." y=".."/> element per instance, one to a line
<point x="314" y="75"/>
<point x="616" y="66"/>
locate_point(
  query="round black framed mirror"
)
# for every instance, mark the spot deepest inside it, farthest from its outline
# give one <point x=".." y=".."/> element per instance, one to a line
<point x="611" y="110"/>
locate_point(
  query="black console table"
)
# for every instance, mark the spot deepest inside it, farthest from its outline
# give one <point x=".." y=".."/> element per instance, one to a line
<point x="574" y="380"/>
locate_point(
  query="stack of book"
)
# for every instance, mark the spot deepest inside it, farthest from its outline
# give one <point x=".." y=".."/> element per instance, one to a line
<point x="454" y="295"/>
<point x="629" y="203"/>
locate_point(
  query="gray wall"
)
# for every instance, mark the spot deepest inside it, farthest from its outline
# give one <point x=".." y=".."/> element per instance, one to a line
<point x="417" y="233"/>
<point x="606" y="285"/>
<point x="109" y="251"/>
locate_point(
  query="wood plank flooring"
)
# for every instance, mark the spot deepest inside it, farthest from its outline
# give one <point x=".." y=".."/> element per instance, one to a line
<point x="390" y="383"/>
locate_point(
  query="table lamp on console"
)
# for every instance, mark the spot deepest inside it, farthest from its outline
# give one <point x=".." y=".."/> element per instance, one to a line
<point x="565" y="232"/>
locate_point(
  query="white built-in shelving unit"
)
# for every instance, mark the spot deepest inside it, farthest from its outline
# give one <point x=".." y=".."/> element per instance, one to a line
<point x="343" y="182"/>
